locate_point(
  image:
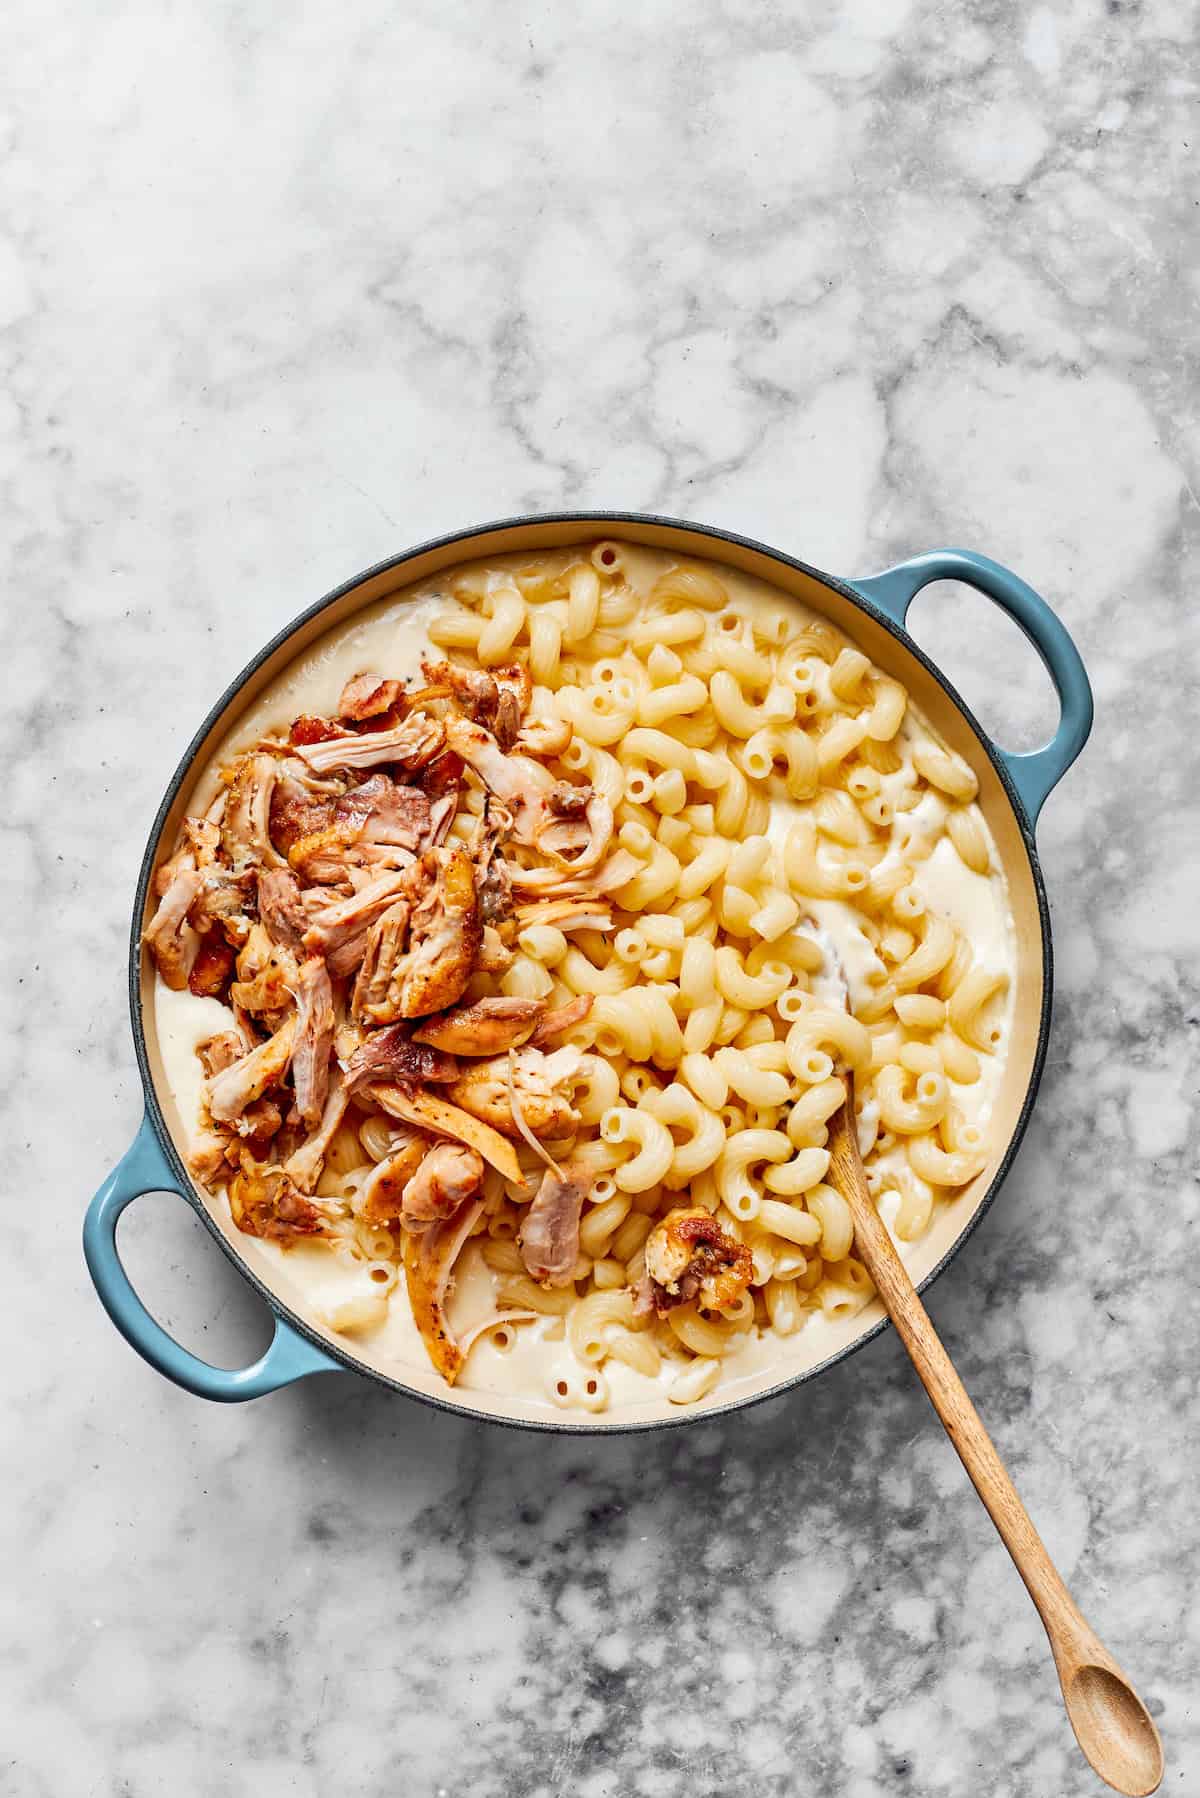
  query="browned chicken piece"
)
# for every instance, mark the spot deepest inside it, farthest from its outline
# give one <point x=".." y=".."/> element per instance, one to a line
<point x="575" y="839"/>
<point x="443" y="936"/>
<point x="429" y="1258"/>
<point x="544" y="737"/>
<point x="380" y="811"/>
<point x="494" y="955"/>
<point x="335" y="925"/>
<point x="515" y="688"/>
<point x="448" y="1176"/>
<point x="381" y="1195"/>
<point x="258" y="1125"/>
<point x="206" y="1157"/>
<point x="212" y="967"/>
<point x="410" y="744"/>
<point x="493" y="880"/>
<point x="689" y="1256"/>
<point x="304" y="1165"/>
<point x="430" y="1113"/>
<point x="441" y="817"/>
<point x="222" y="900"/>
<point x="372" y="1001"/>
<point x="280" y="906"/>
<point x="264" y="1202"/>
<point x="488" y="1027"/>
<point x="538" y="1081"/>
<point x="473" y="690"/>
<point x="557" y="1023"/>
<point x="566" y="800"/>
<point x="247" y="1079"/>
<point x="296" y="812"/>
<point x="393" y="1054"/>
<point x="322" y="859"/>
<point x="518" y="782"/>
<point x="550" y="1231"/>
<point x="314" y="1040"/>
<point x="245" y="825"/>
<point x="203" y="837"/>
<point x="272" y="983"/>
<point x="366" y="696"/>
<point x="220" y="1051"/>
<point x="515" y="678"/>
<point x="169" y="936"/>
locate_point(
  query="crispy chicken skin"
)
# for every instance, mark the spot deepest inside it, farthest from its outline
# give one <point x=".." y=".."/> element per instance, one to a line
<point x="689" y="1256"/>
<point x="381" y="1198"/>
<point x="264" y="1202"/>
<point x="488" y="1027"/>
<point x="429" y="1257"/>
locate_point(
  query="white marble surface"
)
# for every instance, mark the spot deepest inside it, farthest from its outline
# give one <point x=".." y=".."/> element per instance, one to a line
<point x="284" y="290"/>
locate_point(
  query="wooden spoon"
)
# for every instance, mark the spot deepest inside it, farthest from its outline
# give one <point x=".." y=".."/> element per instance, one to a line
<point x="1111" y="1724"/>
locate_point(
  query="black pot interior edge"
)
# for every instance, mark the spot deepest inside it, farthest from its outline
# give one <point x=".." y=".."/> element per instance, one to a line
<point x="274" y="1303"/>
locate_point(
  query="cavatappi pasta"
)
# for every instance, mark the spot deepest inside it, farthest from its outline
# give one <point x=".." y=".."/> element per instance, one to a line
<point x="772" y="796"/>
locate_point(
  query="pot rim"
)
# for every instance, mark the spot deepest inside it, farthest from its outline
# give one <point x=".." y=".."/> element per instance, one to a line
<point x="335" y="1349"/>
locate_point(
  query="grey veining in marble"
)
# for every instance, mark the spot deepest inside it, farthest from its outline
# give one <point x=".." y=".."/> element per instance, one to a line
<point x="284" y="290"/>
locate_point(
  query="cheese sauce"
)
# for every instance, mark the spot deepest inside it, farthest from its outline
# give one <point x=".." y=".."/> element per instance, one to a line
<point x="390" y="638"/>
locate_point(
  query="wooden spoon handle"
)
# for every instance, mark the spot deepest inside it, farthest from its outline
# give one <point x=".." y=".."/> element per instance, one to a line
<point x="1072" y="1639"/>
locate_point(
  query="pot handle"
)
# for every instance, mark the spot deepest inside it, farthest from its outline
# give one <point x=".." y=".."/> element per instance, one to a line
<point x="144" y="1168"/>
<point x="1036" y="773"/>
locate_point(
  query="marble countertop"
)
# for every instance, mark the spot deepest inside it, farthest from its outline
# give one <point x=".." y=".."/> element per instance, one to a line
<point x="280" y="297"/>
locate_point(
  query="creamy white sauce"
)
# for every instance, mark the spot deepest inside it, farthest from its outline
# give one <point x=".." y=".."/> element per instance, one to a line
<point x="390" y="637"/>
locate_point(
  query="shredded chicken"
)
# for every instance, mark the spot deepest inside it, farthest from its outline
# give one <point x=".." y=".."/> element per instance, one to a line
<point x="266" y="982"/>
<point x="314" y="1039"/>
<point x="245" y="827"/>
<point x="372" y="1000"/>
<point x="689" y="1256"/>
<point x="349" y="900"/>
<point x="429" y="1258"/>
<point x="366" y="696"/>
<point x="171" y="939"/>
<point x="550" y="1231"/>
<point x="393" y="1054"/>
<point x="448" y="1176"/>
<point x="488" y="1027"/>
<point x="247" y="1079"/>
<point x="297" y="811"/>
<point x="304" y="1165"/>
<point x="444" y="935"/>
<point x="540" y="1082"/>
<point x="444" y="1119"/>
<point x="346" y="921"/>
<point x="265" y="1202"/>
<point x="410" y="745"/>
<point x="556" y="1023"/>
<point x="381" y="1196"/>
<point x="280" y="906"/>
<point x="517" y="781"/>
<point x="212" y="968"/>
